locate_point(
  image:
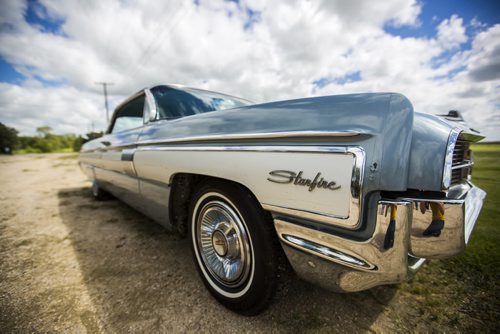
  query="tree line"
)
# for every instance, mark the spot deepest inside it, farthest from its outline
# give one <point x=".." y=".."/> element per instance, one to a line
<point x="44" y="142"/>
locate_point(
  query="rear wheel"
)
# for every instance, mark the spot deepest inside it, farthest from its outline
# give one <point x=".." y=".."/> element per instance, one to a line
<point x="234" y="246"/>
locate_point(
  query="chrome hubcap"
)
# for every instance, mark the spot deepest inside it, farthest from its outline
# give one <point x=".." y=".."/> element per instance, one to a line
<point x="219" y="243"/>
<point x="223" y="243"/>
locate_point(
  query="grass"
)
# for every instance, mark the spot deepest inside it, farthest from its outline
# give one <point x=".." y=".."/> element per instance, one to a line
<point x="486" y="147"/>
<point x="25" y="151"/>
<point x="464" y="292"/>
<point x="483" y="253"/>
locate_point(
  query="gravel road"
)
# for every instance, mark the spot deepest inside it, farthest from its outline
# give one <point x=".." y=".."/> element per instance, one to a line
<point x="71" y="264"/>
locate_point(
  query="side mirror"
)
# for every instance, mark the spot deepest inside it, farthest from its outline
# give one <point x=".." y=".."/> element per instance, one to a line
<point x="149" y="107"/>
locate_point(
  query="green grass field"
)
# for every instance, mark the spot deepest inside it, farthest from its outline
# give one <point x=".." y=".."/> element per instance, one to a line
<point x="463" y="293"/>
<point x="483" y="252"/>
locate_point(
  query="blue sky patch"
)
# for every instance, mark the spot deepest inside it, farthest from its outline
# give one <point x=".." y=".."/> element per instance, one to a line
<point x="434" y="12"/>
<point x="451" y="74"/>
<point x="350" y="77"/>
<point x="8" y="72"/>
<point x="10" y="75"/>
<point x="253" y="16"/>
<point x="36" y="15"/>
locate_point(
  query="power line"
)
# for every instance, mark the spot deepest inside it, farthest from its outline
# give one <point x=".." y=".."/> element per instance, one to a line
<point x="105" y="91"/>
<point x="157" y="40"/>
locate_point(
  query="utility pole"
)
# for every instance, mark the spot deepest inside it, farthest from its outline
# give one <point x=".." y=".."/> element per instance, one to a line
<point x="105" y="90"/>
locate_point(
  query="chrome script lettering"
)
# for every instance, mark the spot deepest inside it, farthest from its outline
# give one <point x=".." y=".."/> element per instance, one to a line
<point x="286" y="177"/>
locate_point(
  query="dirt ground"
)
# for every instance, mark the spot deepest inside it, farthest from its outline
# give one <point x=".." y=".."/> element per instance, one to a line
<point x="71" y="264"/>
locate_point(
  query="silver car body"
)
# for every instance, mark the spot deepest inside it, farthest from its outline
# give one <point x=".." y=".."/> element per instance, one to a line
<point x="350" y="180"/>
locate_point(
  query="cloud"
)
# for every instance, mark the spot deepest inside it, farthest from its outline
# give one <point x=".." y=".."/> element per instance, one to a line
<point x="11" y="13"/>
<point x="484" y="62"/>
<point x="260" y="50"/>
<point x="451" y="32"/>
<point x="65" y="109"/>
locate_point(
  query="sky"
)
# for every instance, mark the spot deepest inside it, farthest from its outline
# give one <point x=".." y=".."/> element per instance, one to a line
<point x="441" y="54"/>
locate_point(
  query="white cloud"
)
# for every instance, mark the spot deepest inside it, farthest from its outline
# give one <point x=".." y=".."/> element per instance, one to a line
<point x="484" y="62"/>
<point x="475" y="23"/>
<point x="65" y="109"/>
<point x="451" y="32"/>
<point x="11" y="12"/>
<point x="275" y="54"/>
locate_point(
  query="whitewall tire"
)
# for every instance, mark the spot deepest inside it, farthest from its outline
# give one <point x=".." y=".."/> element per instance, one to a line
<point x="234" y="246"/>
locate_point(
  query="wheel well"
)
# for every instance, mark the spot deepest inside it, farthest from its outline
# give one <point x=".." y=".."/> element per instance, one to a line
<point x="183" y="187"/>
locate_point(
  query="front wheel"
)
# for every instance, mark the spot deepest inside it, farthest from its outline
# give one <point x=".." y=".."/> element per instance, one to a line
<point x="234" y="246"/>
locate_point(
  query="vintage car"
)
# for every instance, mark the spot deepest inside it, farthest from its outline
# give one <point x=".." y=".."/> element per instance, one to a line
<point x="356" y="190"/>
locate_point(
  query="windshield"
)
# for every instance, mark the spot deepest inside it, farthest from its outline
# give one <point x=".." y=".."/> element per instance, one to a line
<point x="174" y="103"/>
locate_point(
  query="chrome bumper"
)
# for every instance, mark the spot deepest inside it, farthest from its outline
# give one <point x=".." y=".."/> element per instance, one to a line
<point x="442" y="238"/>
<point x="403" y="236"/>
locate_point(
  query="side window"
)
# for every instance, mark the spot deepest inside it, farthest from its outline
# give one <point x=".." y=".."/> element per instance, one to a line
<point x="129" y="116"/>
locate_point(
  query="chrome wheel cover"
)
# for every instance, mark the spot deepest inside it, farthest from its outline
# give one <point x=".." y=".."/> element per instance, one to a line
<point x="223" y="243"/>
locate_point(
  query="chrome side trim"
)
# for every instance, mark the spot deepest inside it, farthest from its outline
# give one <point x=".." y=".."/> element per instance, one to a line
<point x="251" y="148"/>
<point x="345" y="265"/>
<point x="308" y="215"/>
<point x="358" y="172"/>
<point x="328" y="252"/>
<point x="253" y="136"/>
<point x="448" y="162"/>
<point x="352" y="221"/>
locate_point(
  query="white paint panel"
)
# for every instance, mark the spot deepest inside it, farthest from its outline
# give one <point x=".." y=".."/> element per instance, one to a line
<point x="252" y="170"/>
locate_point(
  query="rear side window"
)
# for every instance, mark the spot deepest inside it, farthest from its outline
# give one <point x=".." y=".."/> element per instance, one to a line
<point x="129" y="116"/>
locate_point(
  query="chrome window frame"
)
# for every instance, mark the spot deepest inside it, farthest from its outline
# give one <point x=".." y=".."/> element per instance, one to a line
<point x="111" y="124"/>
<point x="150" y="114"/>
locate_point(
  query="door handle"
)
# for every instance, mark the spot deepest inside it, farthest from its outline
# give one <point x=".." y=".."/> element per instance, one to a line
<point x="106" y="143"/>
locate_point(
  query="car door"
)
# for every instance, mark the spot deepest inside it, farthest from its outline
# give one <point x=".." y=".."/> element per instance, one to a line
<point x="116" y="165"/>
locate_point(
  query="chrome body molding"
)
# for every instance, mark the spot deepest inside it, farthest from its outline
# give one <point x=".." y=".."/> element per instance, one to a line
<point x="250" y="148"/>
<point x="326" y="252"/>
<point x="344" y="265"/>
<point x="351" y="220"/>
<point x="252" y="136"/>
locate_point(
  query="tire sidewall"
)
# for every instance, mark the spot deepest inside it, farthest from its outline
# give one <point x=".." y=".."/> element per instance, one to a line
<point x="254" y="294"/>
<point x="230" y="293"/>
